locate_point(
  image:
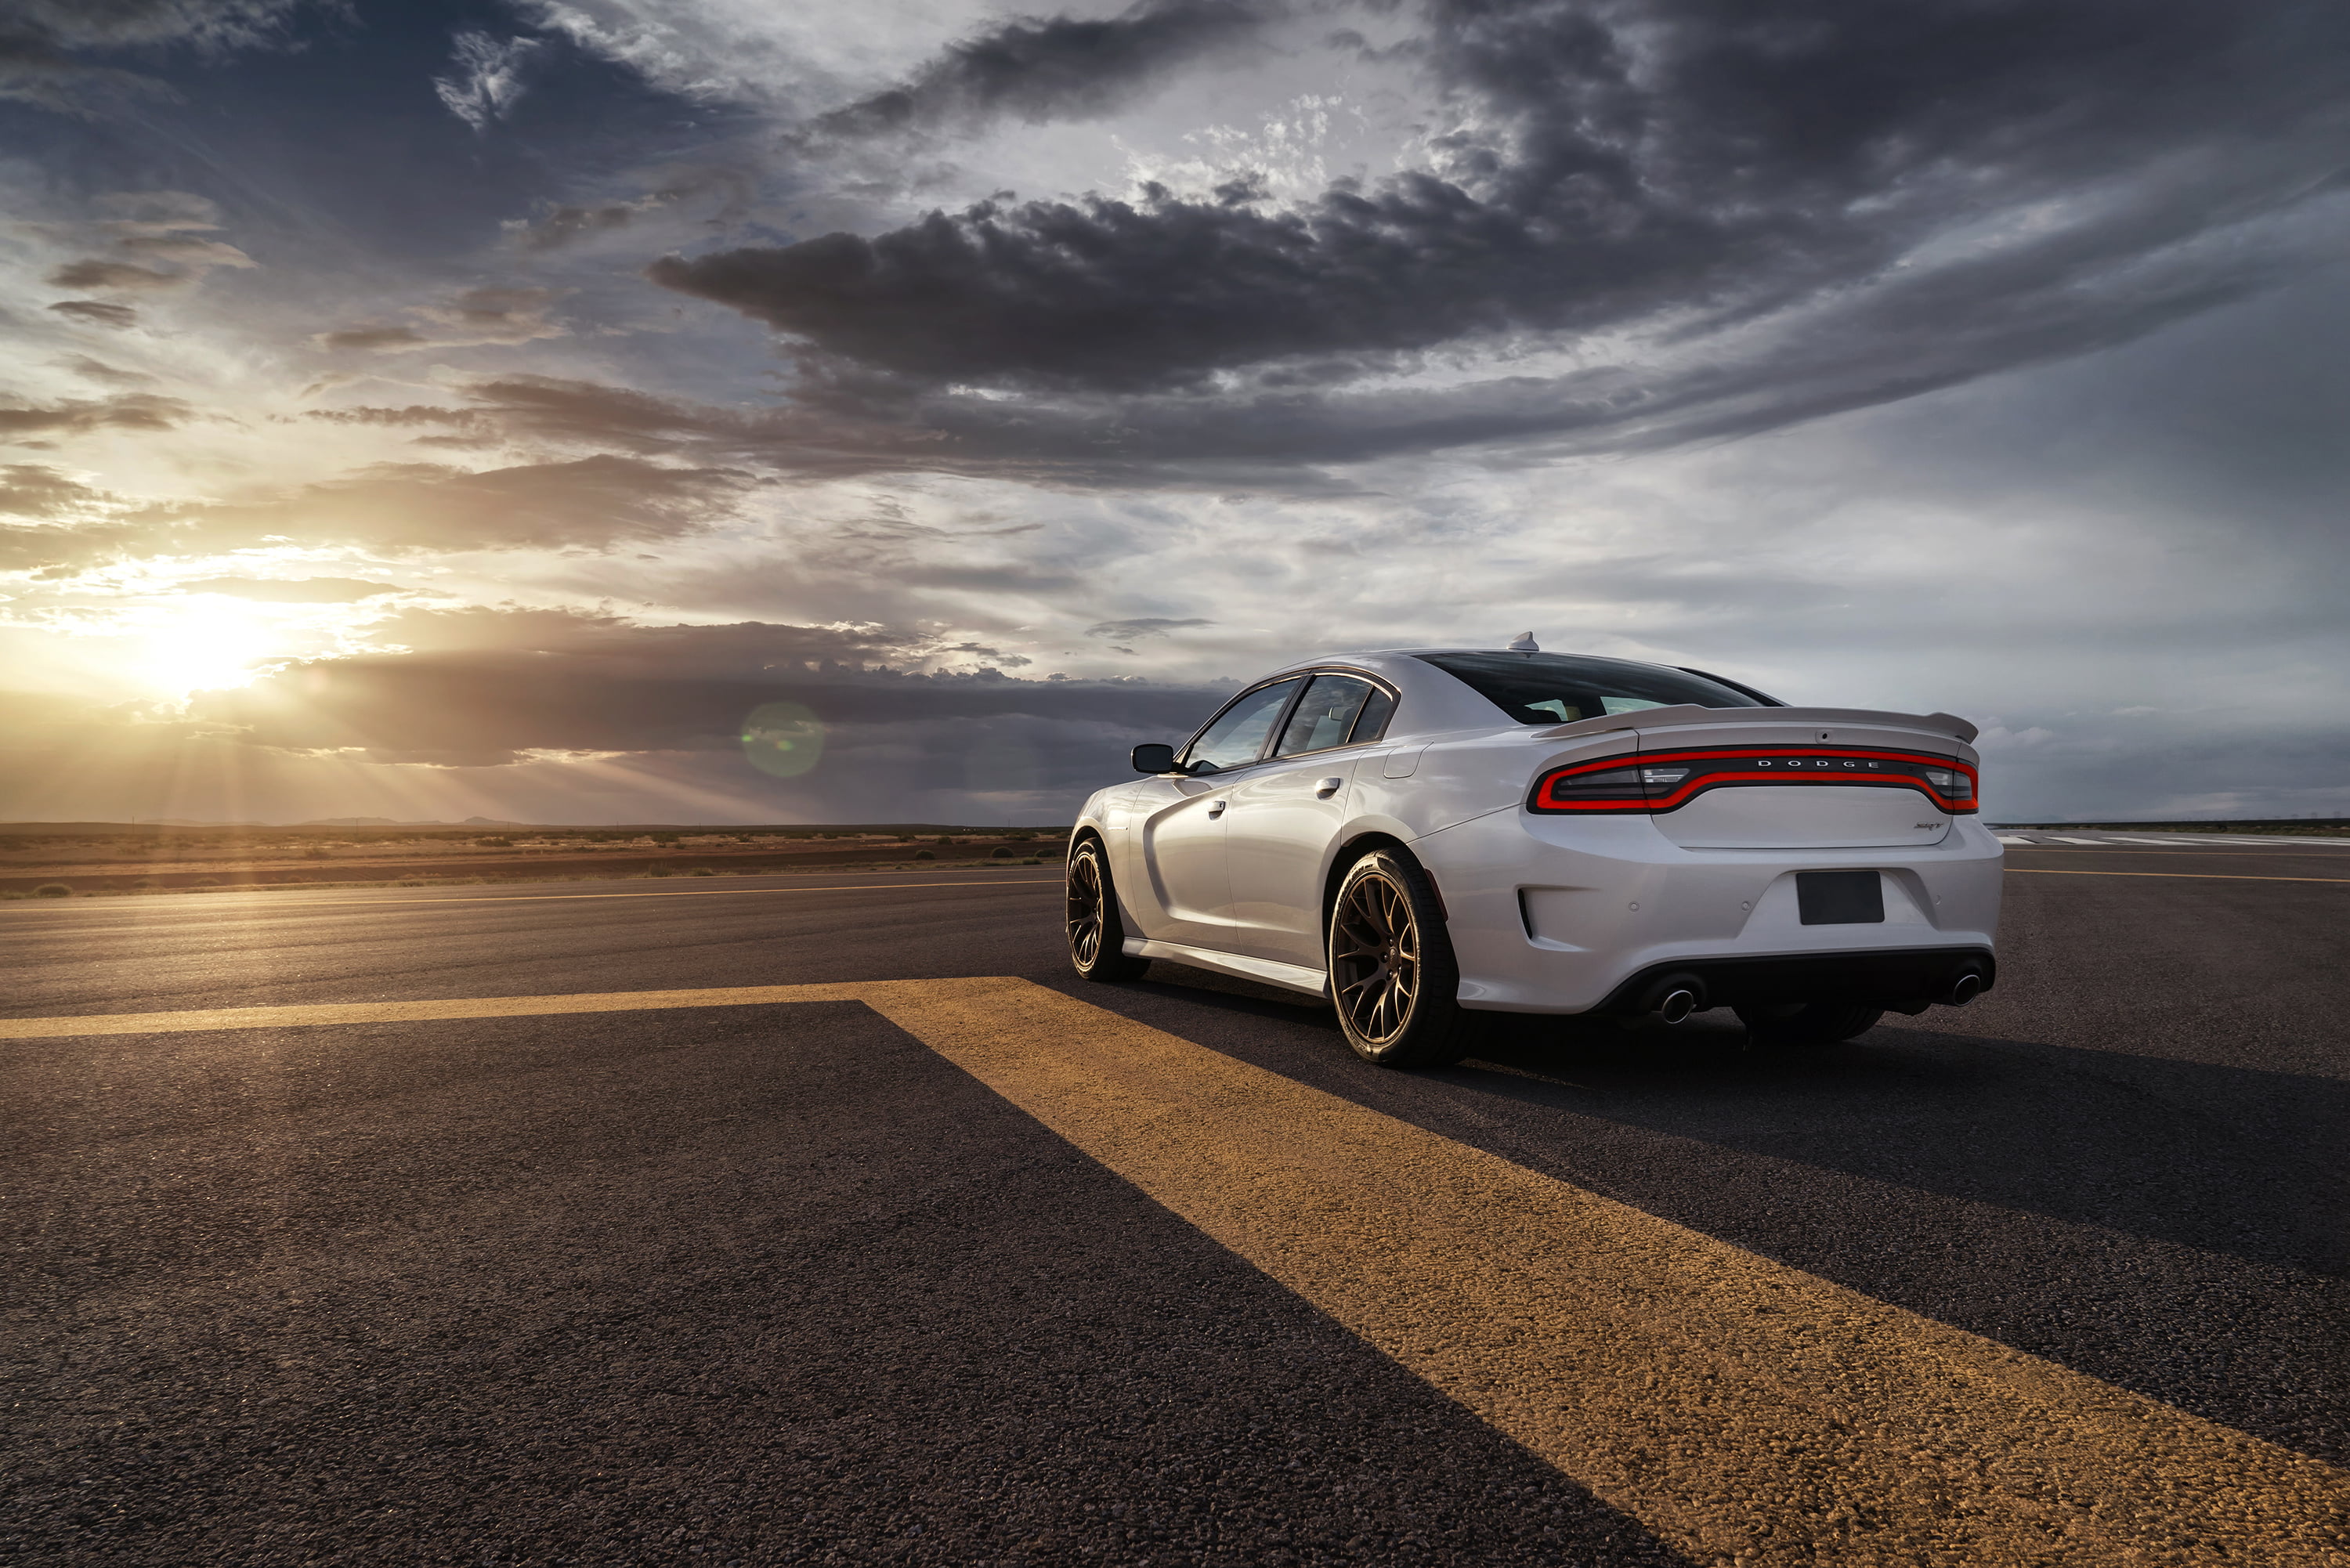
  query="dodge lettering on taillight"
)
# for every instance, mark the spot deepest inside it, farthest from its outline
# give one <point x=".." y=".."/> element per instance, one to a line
<point x="1670" y="780"/>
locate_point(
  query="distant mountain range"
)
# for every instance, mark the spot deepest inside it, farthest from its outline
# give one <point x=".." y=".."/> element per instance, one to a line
<point x="409" y="821"/>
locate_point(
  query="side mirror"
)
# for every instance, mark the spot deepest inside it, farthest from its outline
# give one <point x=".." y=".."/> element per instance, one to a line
<point x="1154" y="757"/>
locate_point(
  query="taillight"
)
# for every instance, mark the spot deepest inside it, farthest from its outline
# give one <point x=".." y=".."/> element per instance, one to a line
<point x="1955" y="782"/>
<point x="1593" y="786"/>
<point x="1669" y="781"/>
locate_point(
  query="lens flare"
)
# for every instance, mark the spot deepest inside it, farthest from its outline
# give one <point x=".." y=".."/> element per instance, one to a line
<point x="782" y="738"/>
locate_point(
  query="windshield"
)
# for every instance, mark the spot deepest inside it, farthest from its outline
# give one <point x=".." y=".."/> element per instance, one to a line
<point x="1559" y="688"/>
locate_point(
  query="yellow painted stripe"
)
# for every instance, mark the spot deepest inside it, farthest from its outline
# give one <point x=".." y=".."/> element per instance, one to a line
<point x="2137" y="854"/>
<point x="2193" y="875"/>
<point x="296" y="1017"/>
<point x="1746" y="1412"/>
<point x="548" y="898"/>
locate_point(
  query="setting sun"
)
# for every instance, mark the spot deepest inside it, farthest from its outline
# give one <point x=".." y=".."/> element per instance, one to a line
<point x="208" y="642"/>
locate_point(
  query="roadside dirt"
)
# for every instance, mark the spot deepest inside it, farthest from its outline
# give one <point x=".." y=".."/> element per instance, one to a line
<point x="131" y="867"/>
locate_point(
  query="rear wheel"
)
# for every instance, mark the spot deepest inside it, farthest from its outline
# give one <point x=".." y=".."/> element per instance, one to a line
<point x="1096" y="936"/>
<point x="1393" y="977"/>
<point x="1795" y="1023"/>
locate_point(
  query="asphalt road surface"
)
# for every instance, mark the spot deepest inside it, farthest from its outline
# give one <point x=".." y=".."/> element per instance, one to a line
<point x="743" y="1225"/>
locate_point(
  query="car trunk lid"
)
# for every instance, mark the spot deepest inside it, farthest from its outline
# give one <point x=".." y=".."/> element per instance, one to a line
<point x="1794" y="778"/>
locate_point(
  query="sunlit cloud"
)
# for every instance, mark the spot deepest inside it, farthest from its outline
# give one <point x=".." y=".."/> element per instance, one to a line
<point x="996" y="386"/>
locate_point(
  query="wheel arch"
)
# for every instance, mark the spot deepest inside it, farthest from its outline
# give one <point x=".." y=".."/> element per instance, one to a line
<point x="1353" y="849"/>
<point x="1089" y="832"/>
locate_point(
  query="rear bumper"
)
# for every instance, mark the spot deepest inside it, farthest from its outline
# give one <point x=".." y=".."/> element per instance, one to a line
<point x="1904" y="978"/>
<point x="1550" y="915"/>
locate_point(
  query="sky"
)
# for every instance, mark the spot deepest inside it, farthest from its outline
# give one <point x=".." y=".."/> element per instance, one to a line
<point x="718" y="411"/>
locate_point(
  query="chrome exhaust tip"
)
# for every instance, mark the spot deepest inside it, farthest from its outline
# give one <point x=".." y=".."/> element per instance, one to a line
<point x="1672" y="998"/>
<point x="1965" y="989"/>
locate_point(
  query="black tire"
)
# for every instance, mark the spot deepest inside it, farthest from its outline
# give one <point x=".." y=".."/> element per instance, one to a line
<point x="1796" y="1023"/>
<point x="1096" y="936"/>
<point x="1393" y="977"/>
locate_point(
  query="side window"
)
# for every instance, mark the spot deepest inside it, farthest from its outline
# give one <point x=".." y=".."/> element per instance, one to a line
<point x="1236" y="737"/>
<point x="1372" y="723"/>
<point x="1325" y="715"/>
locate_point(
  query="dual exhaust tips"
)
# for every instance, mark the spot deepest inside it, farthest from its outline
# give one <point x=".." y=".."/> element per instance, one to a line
<point x="1672" y="999"/>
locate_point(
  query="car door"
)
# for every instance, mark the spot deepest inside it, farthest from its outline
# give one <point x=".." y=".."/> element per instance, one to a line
<point x="1283" y="816"/>
<point x="1179" y="821"/>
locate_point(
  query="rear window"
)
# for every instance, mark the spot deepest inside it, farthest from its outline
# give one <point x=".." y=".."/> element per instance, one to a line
<point x="1559" y="688"/>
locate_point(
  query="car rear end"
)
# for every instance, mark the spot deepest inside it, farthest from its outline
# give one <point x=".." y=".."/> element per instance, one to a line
<point x="1749" y="857"/>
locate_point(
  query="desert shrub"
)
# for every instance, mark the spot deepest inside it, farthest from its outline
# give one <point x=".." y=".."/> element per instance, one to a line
<point x="664" y="871"/>
<point x="53" y="890"/>
<point x="1002" y="852"/>
<point x="702" y="871"/>
<point x="496" y="841"/>
<point x="926" y="855"/>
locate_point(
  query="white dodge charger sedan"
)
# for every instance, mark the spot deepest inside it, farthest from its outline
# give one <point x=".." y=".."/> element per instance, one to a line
<point x="1424" y="835"/>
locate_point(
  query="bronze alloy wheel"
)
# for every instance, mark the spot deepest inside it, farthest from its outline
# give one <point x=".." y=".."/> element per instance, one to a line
<point x="1085" y="911"/>
<point x="1097" y="937"/>
<point x="1393" y="979"/>
<point x="1374" y="957"/>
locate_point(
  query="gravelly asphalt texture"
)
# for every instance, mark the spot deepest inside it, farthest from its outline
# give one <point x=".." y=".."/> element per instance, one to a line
<point x="778" y="1284"/>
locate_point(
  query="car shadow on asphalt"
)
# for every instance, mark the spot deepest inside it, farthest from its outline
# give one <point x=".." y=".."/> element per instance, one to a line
<point x="2224" y="1160"/>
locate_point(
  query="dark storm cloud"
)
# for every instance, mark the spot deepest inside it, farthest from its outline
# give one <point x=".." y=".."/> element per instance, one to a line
<point x="483" y="685"/>
<point x="45" y="44"/>
<point x="1060" y="68"/>
<point x="1907" y="196"/>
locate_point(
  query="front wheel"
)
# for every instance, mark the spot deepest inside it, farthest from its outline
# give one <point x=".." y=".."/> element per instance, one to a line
<point x="1096" y="936"/>
<point x="1796" y="1023"/>
<point x="1393" y="977"/>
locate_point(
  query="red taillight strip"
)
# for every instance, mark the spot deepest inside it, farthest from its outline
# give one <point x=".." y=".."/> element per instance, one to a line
<point x="1703" y="781"/>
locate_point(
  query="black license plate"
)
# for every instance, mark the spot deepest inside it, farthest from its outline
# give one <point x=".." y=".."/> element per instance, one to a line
<point x="1840" y="898"/>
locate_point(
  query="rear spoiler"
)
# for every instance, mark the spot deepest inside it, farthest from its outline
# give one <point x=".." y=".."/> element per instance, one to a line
<point x="1949" y="724"/>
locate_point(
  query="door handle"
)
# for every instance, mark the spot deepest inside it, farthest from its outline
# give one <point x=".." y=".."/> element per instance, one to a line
<point x="1215" y="808"/>
<point x="1328" y="787"/>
